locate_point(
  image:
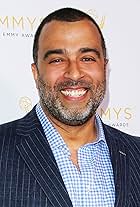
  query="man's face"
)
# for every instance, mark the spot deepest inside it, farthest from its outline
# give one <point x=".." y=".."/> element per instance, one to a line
<point x="70" y="74"/>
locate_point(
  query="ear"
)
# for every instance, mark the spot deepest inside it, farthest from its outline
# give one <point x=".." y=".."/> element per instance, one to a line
<point x="35" y="73"/>
<point x="106" y="61"/>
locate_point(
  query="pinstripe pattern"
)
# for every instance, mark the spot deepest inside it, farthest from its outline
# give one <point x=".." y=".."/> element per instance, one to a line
<point x="29" y="176"/>
<point x="125" y="156"/>
<point x="17" y="186"/>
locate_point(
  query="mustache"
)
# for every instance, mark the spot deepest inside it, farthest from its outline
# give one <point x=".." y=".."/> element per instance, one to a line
<point x="71" y="83"/>
<point x="66" y="83"/>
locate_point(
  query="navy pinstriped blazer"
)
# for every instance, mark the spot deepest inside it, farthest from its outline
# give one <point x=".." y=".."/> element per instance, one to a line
<point x="29" y="176"/>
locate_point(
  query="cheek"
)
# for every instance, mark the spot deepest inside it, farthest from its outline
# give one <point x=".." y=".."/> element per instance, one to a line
<point x="51" y="78"/>
<point x="96" y="75"/>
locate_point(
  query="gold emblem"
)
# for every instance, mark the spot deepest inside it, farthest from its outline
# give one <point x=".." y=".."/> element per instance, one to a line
<point x="100" y="19"/>
<point x="25" y="104"/>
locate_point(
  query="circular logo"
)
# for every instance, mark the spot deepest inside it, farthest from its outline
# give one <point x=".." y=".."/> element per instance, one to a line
<point x="25" y="104"/>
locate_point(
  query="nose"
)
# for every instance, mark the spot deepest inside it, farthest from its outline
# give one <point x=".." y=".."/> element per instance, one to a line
<point x="73" y="71"/>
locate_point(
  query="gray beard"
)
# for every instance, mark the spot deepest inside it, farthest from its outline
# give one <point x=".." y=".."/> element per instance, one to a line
<point x="75" y="115"/>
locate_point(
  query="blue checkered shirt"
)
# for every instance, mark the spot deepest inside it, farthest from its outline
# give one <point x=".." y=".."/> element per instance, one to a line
<point x="93" y="185"/>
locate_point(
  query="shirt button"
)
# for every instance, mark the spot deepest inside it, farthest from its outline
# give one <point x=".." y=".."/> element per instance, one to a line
<point x="88" y="188"/>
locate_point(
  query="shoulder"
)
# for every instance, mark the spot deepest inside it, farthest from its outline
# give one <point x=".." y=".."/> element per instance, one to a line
<point x="12" y="133"/>
<point x="11" y="127"/>
<point x="8" y="127"/>
<point x="128" y="140"/>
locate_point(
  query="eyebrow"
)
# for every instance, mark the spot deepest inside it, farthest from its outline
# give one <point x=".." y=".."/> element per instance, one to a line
<point x="51" y="52"/>
<point x="87" y="49"/>
<point x="61" y="51"/>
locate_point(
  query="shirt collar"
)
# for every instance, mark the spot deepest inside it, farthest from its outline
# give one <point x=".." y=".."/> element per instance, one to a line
<point x="54" y="138"/>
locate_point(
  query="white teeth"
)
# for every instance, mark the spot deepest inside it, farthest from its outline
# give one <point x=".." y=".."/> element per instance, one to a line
<point x="73" y="93"/>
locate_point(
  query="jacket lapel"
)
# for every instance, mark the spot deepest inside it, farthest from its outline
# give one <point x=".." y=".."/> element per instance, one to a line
<point x="120" y="162"/>
<point x="36" y="152"/>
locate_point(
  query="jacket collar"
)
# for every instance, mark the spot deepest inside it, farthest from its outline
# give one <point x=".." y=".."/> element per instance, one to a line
<point x="120" y="162"/>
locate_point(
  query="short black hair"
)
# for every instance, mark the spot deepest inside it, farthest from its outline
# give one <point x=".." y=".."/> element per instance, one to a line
<point x="67" y="15"/>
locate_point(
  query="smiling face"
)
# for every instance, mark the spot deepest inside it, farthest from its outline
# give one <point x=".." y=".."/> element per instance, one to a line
<point x="70" y="74"/>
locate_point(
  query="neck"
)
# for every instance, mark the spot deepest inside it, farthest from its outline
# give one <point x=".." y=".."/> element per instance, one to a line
<point x="75" y="136"/>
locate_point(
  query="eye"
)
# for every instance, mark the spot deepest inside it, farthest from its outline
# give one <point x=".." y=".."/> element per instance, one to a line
<point x="88" y="59"/>
<point x="56" y="61"/>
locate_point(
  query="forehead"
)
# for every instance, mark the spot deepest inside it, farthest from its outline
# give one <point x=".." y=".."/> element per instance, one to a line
<point x="60" y="33"/>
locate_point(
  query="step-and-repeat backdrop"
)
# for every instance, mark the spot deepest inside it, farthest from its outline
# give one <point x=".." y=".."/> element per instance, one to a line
<point x="119" y="22"/>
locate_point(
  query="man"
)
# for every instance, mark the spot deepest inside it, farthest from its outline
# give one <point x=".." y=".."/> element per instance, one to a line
<point x="61" y="154"/>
